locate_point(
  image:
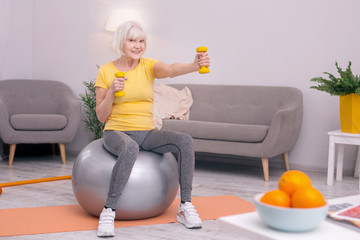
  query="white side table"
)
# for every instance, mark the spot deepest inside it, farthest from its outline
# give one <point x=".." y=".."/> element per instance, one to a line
<point x="338" y="138"/>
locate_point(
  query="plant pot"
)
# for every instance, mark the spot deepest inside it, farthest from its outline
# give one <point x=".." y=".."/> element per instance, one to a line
<point x="350" y="113"/>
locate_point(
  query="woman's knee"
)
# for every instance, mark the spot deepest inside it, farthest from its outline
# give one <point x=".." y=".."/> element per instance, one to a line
<point x="131" y="147"/>
<point x="112" y="142"/>
<point x="119" y="144"/>
<point x="185" y="141"/>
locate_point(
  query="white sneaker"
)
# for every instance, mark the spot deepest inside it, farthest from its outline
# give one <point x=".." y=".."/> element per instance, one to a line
<point x="106" y="223"/>
<point x="188" y="216"/>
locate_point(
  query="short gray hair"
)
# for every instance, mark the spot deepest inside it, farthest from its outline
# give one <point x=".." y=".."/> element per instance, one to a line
<point x="127" y="30"/>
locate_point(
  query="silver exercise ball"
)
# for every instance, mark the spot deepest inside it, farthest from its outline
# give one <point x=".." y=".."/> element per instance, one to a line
<point x="152" y="186"/>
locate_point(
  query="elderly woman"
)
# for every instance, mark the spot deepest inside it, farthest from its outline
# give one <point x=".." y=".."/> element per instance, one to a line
<point x="130" y="124"/>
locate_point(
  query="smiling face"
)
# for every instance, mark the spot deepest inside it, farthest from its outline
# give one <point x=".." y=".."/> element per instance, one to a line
<point x="129" y="40"/>
<point x="134" y="48"/>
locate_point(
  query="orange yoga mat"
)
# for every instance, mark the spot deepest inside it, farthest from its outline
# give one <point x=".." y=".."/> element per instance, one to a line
<point x="69" y="218"/>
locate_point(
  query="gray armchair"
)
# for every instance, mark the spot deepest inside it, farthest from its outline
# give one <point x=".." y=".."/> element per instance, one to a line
<point x="37" y="111"/>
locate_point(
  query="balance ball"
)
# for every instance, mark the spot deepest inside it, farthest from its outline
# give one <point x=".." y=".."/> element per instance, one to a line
<point x="152" y="186"/>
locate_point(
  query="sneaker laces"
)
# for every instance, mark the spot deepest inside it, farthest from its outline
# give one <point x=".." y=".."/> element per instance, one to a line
<point x="106" y="218"/>
<point x="190" y="210"/>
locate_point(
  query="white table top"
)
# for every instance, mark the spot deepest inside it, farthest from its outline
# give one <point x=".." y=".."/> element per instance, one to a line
<point x="251" y="226"/>
<point x="340" y="133"/>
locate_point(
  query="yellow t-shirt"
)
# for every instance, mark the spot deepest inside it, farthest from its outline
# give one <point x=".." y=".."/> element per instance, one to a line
<point x="134" y="111"/>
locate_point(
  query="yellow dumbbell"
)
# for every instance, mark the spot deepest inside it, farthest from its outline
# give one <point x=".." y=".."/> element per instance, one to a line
<point x="203" y="69"/>
<point x="120" y="75"/>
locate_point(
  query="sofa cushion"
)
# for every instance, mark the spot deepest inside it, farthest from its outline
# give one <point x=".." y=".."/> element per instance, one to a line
<point x="35" y="122"/>
<point x="218" y="131"/>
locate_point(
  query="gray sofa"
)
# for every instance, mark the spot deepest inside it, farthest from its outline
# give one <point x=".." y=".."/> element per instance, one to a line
<point x="252" y="121"/>
<point x="37" y="111"/>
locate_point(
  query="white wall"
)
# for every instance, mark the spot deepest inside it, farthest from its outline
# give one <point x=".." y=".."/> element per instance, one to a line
<point x="17" y="39"/>
<point x="253" y="42"/>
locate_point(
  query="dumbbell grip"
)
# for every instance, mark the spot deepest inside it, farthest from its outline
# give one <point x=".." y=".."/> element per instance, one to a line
<point x="120" y="75"/>
<point x="203" y="69"/>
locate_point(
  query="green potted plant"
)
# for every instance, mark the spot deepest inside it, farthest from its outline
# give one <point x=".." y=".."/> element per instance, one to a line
<point x="347" y="86"/>
<point x="89" y="104"/>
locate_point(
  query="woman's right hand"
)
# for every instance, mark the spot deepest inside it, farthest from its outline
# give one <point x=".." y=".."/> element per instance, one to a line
<point x="118" y="84"/>
<point x="105" y="98"/>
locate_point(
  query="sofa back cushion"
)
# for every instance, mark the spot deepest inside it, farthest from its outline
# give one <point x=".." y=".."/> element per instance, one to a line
<point x="240" y="103"/>
<point x="27" y="96"/>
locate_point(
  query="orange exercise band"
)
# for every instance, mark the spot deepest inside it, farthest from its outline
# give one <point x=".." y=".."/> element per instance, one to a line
<point x="35" y="181"/>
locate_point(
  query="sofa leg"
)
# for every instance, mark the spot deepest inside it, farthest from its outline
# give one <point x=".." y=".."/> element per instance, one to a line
<point x="286" y="161"/>
<point x="12" y="153"/>
<point x="265" y="165"/>
<point x="62" y="152"/>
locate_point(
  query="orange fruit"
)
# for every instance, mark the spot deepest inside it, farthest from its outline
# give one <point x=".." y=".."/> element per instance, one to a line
<point x="292" y="180"/>
<point x="307" y="197"/>
<point x="276" y="198"/>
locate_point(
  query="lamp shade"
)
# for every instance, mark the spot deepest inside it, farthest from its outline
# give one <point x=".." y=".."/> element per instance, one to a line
<point x="119" y="16"/>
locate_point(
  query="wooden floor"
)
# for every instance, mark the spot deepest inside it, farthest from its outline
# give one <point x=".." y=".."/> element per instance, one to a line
<point x="210" y="179"/>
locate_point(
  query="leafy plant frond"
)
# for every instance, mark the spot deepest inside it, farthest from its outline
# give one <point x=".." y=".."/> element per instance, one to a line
<point x="346" y="84"/>
<point x="89" y="107"/>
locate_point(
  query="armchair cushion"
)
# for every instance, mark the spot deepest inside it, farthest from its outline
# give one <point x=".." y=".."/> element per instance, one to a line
<point x="38" y="122"/>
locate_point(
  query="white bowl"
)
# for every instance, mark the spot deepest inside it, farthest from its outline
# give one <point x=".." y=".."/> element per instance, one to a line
<point x="290" y="219"/>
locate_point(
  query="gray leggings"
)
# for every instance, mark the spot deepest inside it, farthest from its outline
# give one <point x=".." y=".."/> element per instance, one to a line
<point x="126" y="146"/>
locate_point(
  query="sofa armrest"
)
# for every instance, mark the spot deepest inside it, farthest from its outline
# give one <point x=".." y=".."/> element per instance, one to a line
<point x="70" y="106"/>
<point x="5" y="129"/>
<point x="283" y="132"/>
<point x="71" y="109"/>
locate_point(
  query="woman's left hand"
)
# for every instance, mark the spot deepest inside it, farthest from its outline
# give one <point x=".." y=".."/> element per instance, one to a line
<point x="202" y="59"/>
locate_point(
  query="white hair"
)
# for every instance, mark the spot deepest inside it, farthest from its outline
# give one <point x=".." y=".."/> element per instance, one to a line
<point x="125" y="31"/>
